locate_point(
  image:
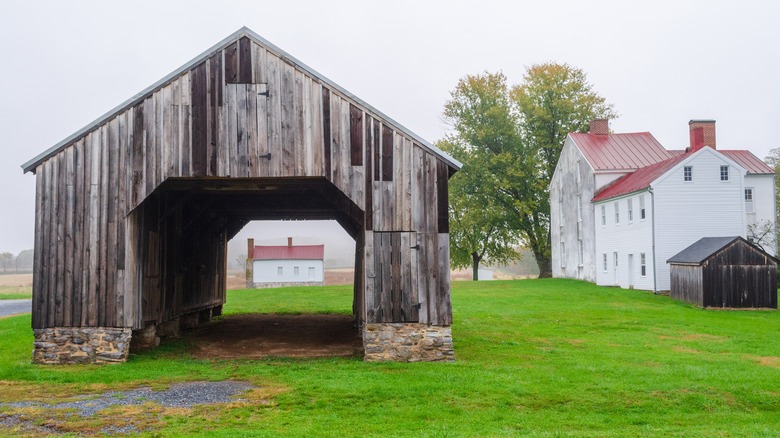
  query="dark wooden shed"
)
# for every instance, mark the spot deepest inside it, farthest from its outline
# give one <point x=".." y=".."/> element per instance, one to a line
<point x="134" y="211"/>
<point x="727" y="272"/>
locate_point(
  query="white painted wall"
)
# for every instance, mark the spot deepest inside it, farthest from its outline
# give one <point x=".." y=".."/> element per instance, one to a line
<point x="629" y="238"/>
<point x="568" y="188"/>
<point x="267" y="271"/>
<point x="763" y="204"/>
<point x="705" y="207"/>
<point x="604" y="179"/>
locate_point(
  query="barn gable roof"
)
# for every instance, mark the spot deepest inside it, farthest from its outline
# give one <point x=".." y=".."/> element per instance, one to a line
<point x="31" y="165"/>
<point x="705" y="247"/>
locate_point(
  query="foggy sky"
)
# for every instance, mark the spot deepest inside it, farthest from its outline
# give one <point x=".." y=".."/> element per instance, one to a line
<point x="660" y="63"/>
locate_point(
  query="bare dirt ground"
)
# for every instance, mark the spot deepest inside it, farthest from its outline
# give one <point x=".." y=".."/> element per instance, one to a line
<point x="256" y="336"/>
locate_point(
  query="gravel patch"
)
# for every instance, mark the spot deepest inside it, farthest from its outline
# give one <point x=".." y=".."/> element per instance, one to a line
<point x="178" y="395"/>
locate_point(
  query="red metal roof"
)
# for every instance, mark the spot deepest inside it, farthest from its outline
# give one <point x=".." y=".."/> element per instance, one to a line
<point x="295" y="252"/>
<point x="620" y="151"/>
<point x="750" y="162"/>
<point x="641" y="179"/>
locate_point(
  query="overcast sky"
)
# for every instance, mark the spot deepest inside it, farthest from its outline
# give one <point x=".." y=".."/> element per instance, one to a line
<point x="660" y="63"/>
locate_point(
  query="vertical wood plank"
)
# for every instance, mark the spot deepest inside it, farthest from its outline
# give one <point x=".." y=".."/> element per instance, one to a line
<point x="231" y="130"/>
<point x="59" y="239"/>
<point x="50" y="253"/>
<point x="356" y="135"/>
<point x="274" y="115"/>
<point x="168" y="163"/>
<point x="38" y="249"/>
<point x="231" y="63"/>
<point x="326" y="137"/>
<point x="259" y="63"/>
<point x="406" y="186"/>
<point x="317" y="129"/>
<point x="344" y="150"/>
<point x="398" y="172"/>
<point x="298" y="125"/>
<point x="367" y="174"/>
<point x="252" y="136"/>
<point x="103" y="196"/>
<point x="308" y="149"/>
<point x="93" y="211"/>
<point x="198" y="108"/>
<point x="369" y="254"/>
<point x="443" y="305"/>
<point x="396" y="292"/>
<point x="263" y="164"/>
<point x="335" y="139"/>
<point x="288" y="117"/>
<point x="241" y="130"/>
<point x="245" y="60"/>
<point x="387" y="153"/>
<point x="79" y="232"/>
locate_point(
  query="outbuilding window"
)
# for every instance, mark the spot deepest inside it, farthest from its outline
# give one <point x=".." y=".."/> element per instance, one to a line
<point x="617" y="213"/>
<point x="688" y="173"/>
<point x="630" y="211"/>
<point x="642" y="207"/>
<point x="280" y="271"/>
<point x="724" y="173"/>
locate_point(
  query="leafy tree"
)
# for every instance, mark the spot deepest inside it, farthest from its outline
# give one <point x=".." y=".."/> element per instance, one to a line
<point x="24" y="260"/>
<point x="773" y="160"/>
<point x="477" y="231"/>
<point x="6" y="260"/>
<point x="514" y="136"/>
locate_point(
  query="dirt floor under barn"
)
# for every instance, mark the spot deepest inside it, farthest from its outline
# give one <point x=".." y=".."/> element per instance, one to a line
<point x="256" y="336"/>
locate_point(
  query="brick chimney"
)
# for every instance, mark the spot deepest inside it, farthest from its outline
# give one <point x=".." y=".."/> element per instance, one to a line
<point x="250" y="248"/>
<point x="702" y="134"/>
<point x="599" y="127"/>
<point x="289" y="242"/>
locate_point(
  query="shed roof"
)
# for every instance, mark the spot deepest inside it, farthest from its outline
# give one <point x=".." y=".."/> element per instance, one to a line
<point x="620" y="151"/>
<point x="31" y="165"/>
<point x="284" y="252"/>
<point x="705" y="247"/>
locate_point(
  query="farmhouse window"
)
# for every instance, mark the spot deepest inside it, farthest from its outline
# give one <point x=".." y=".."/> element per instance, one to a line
<point x="688" y="173"/>
<point x="749" y="208"/>
<point x="603" y="215"/>
<point x="641" y="207"/>
<point x="630" y="211"/>
<point x="617" y="213"/>
<point x="642" y="264"/>
<point x="724" y="173"/>
<point x="604" y="261"/>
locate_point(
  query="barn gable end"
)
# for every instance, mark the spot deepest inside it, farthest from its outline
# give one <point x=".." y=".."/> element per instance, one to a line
<point x="134" y="211"/>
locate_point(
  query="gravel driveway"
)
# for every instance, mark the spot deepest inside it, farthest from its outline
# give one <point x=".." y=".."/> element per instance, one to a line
<point x="15" y="307"/>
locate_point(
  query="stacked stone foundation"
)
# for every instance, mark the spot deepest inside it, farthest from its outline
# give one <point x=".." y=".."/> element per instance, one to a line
<point x="407" y="342"/>
<point x="81" y="345"/>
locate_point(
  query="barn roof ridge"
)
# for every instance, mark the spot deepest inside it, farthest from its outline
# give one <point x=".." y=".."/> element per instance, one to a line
<point x="32" y="164"/>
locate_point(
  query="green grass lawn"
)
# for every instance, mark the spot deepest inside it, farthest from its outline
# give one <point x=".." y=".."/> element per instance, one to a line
<point x="534" y="357"/>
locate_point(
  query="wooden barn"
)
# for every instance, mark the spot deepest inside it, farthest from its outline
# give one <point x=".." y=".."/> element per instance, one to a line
<point x="134" y="211"/>
<point x="727" y="272"/>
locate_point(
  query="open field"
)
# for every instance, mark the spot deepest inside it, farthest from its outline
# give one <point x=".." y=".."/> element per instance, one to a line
<point x="534" y="357"/>
<point x="15" y="286"/>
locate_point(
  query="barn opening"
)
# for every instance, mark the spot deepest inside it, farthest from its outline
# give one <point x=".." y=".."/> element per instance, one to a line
<point x="183" y="229"/>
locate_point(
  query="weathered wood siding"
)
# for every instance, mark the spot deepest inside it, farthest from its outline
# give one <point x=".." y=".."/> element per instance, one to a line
<point x="738" y="276"/>
<point x="111" y="251"/>
<point x="687" y="284"/>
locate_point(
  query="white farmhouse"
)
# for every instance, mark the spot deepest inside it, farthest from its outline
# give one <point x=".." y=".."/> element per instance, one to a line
<point x="291" y="265"/>
<point x="621" y="204"/>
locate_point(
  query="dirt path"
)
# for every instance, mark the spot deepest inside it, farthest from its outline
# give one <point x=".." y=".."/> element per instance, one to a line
<point x="256" y="336"/>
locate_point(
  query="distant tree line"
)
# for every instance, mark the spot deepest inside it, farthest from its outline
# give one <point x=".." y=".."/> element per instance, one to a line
<point x="21" y="262"/>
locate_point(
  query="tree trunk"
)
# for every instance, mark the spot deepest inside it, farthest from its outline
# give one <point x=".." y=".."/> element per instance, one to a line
<point x="475" y="259"/>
